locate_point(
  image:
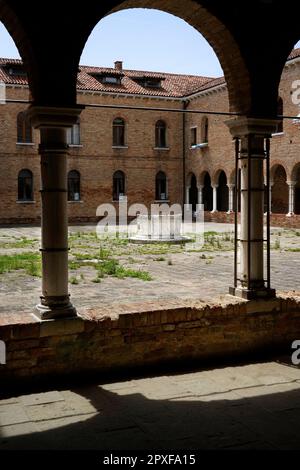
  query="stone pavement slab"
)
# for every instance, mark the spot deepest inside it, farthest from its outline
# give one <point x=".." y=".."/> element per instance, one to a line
<point x="243" y="407"/>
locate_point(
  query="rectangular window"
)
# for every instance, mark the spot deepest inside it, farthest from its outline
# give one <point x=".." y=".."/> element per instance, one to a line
<point x="118" y="135"/>
<point x="193" y="136"/>
<point x="160" y="137"/>
<point x="73" y="135"/>
<point x="114" y="80"/>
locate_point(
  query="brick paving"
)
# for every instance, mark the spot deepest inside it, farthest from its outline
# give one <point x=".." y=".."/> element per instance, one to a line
<point x="239" y="407"/>
<point x="189" y="276"/>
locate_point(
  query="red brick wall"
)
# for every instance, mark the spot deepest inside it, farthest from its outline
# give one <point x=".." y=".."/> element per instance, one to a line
<point x="97" y="161"/>
<point x="144" y="335"/>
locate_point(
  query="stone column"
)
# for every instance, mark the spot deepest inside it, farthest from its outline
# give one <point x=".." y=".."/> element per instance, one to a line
<point x="187" y="194"/>
<point x="215" y="198"/>
<point x="292" y="185"/>
<point x="271" y="184"/>
<point x="200" y="195"/>
<point x="53" y="124"/>
<point x="251" y="278"/>
<point x="230" y="198"/>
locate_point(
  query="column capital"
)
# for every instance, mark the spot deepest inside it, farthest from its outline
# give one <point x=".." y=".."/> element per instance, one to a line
<point x="231" y="185"/>
<point x="243" y="126"/>
<point x="291" y="183"/>
<point x="53" y="117"/>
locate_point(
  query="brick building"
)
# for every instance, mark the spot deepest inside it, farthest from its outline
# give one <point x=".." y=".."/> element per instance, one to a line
<point x="147" y="155"/>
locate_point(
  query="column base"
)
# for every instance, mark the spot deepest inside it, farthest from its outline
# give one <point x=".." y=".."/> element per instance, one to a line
<point x="252" y="294"/>
<point x="290" y="214"/>
<point x="51" y="310"/>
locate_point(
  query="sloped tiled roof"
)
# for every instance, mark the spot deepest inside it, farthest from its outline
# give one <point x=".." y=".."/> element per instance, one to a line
<point x="172" y="85"/>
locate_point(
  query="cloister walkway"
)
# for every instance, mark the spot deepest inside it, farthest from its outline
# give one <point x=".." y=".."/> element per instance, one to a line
<point x="254" y="406"/>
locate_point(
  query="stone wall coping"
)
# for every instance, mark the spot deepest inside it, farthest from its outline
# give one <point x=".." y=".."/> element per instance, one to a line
<point x="115" y="312"/>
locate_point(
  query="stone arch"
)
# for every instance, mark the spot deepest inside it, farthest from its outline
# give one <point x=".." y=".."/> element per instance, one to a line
<point x="201" y="177"/>
<point x="275" y="164"/>
<point x="15" y="27"/>
<point x="215" y="31"/>
<point x="280" y="190"/>
<point x="189" y="177"/>
<point x="216" y="176"/>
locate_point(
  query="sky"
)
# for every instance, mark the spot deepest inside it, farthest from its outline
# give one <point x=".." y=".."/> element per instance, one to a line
<point x="144" y="40"/>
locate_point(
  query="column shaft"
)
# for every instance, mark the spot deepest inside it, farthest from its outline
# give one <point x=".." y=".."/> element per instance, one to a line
<point x="292" y="185"/>
<point x="252" y="212"/>
<point x="55" y="300"/>
<point x="187" y="195"/>
<point x="230" y="198"/>
<point x="251" y="280"/>
<point x="215" y="199"/>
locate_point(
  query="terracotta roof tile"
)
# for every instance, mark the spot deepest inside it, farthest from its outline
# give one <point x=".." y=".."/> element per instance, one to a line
<point x="172" y="85"/>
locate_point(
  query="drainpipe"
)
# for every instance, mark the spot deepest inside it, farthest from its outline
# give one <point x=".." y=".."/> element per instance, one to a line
<point x="185" y="105"/>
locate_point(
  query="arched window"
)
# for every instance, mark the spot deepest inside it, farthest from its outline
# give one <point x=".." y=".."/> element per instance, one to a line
<point x="73" y="134"/>
<point x="119" y="132"/>
<point x="118" y="185"/>
<point x="73" y="185"/>
<point x="204" y="130"/>
<point x="160" y="134"/>
<point x="24" y="129"/>
<point x="280" y="113"/>
<point x="161" y="190"/>
<point x="25" y="185"/>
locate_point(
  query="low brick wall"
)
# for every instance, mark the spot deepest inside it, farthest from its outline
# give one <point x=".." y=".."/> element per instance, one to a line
<point x="145" y="334"/>
<point x="277" y="220"/>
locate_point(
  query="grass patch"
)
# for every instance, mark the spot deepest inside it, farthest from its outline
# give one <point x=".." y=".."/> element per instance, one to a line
<point x="30" y="262"/>
<point x="112" y="267"/>
<point x="276" y="244"/>
<point x="74" y="280"/>
<point x="22" y="243"/>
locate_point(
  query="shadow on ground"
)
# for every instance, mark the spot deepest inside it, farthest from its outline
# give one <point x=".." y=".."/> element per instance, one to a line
<point x="218" y="409"/>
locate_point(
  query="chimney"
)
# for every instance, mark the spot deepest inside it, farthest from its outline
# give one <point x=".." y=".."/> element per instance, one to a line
<point x="119" y="65"/>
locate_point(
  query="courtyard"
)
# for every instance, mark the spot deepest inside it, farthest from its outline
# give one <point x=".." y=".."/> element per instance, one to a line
<point x="116" y="271"/>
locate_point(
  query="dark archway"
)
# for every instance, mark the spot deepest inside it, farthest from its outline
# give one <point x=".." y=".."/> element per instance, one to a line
<point x="119" y="189"/>
<point x="74" y="186"/>
<point x="222" y="193"/>
<point x="161" y="186"/>
<point x="25" y="186"/>
<point x="193" y="195"/>
<point x="296" y="178"/>
<point x="280" y="191"/>
<point x="207" y="193"/>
